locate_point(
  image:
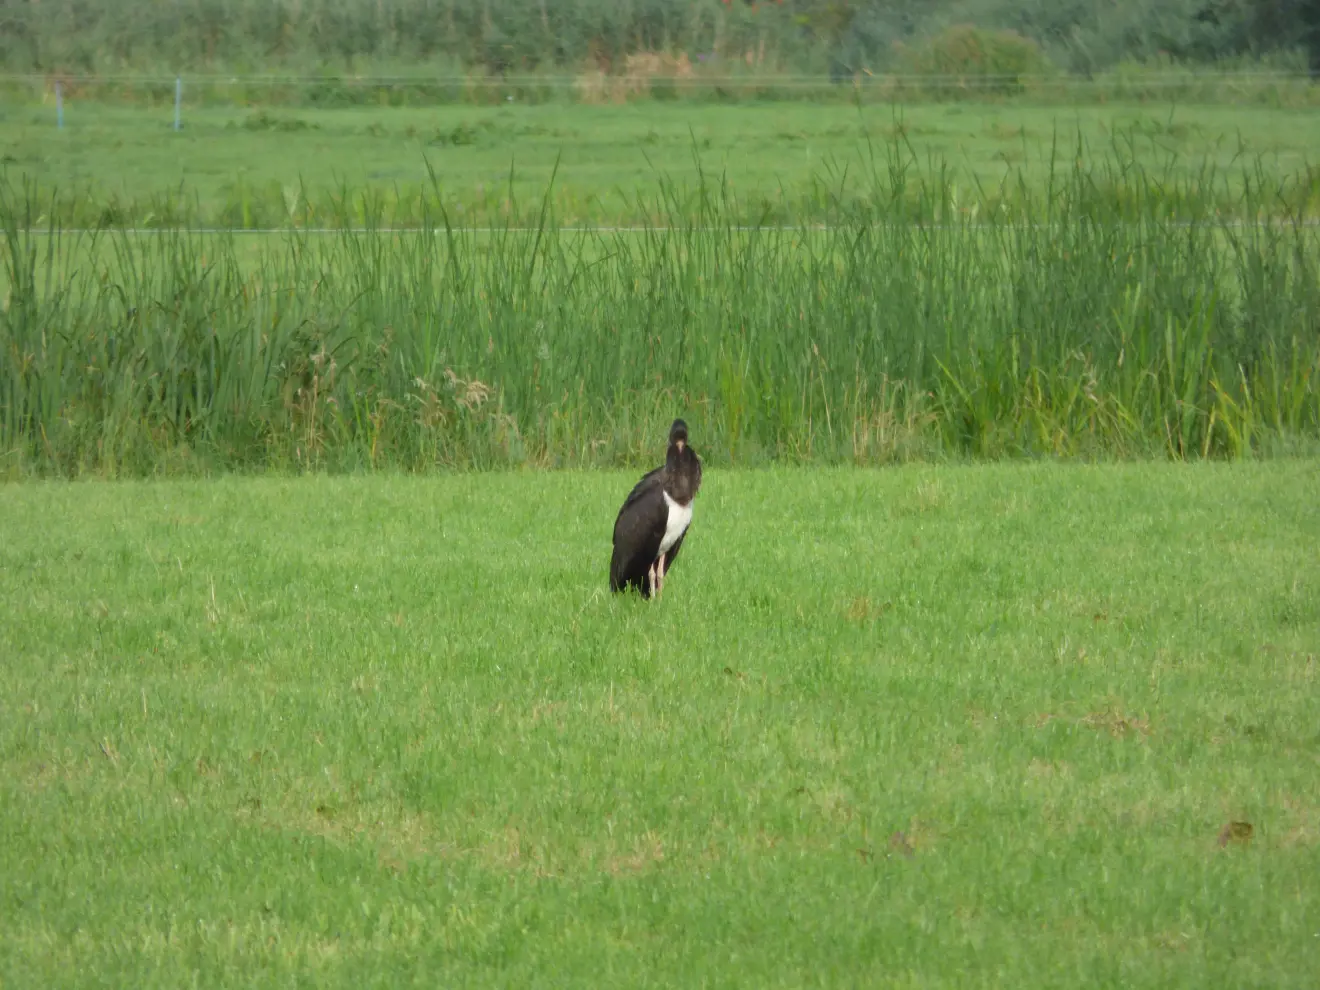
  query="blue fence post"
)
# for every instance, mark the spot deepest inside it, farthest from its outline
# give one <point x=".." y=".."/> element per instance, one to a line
<point x="59" y="105"/>
<point x="178" y="101"/>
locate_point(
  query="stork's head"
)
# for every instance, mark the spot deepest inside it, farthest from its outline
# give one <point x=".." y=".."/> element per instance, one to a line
<point x="682" y="466"/>
<point x="678" y="434"/>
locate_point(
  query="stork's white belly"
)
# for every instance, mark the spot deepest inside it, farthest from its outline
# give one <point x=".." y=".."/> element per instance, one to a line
<point x="679" y="517"/>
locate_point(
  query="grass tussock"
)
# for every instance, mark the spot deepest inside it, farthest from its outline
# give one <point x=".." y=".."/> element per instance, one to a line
<point x="1112" y="311"/>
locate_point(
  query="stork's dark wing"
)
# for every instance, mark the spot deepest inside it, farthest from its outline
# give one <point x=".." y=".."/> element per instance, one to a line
<point x="638" y="531"/>
<point x="649" y="480"/>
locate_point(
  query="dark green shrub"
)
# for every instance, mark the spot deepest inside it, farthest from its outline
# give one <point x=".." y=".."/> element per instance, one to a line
<point x="966" y="57"/>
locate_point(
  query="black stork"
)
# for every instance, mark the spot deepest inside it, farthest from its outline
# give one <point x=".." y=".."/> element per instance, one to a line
<point x="649" y="530"/>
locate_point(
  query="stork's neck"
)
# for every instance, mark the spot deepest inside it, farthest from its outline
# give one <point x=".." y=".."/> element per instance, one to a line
<point x="682" y="474"/>
<point x="677" y="496"/>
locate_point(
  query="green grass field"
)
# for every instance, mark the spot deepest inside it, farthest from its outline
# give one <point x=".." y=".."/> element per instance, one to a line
<point x="975" y="726"/>
<point x="251" y="168"/>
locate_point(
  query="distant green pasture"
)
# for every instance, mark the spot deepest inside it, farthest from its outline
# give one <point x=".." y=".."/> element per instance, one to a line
<point x="252" y="167"/>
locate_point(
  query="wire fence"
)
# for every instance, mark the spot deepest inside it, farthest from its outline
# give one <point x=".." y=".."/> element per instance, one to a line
<point x="1151" y="78"/>
<point x="208" y="88"/>
<point x="1262" y="223"/>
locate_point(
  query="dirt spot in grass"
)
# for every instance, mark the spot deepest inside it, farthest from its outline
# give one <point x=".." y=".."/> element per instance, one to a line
<point x="901" y="845"/>
<point x="980" y="718"/>
<point x="365" y="684"/>
<point x="1173" y="941"/>
<point x="618" y="707"/>
<point x="647" y="851"/>
<point x="1300" y="668"/>
<point x="951" y="760"/>
<point x="1236" y="834"/>
<point x="35" y="777"/>
<point x="548" y="713"/>
<point x="1304" y="822"/>
<point x="1117" y="723"/>
<point x="1096" y="611"/>
<point x="1082" y="657"/>
<point x="505" y="850"/>
<point x="1047" y="769"/>
<point x="67" y="769"/>
<point x="1303" y="835"/>
<point x="205" y="768"/>
<point x="833" y="804"/>
<point x="1005" y="132"/>
<point x="400" y="838"/>
<point x="862" y="609"/>
<point x="514" y="850"/>
<point x="398" y="834"/>
<point x="918" y="836"/>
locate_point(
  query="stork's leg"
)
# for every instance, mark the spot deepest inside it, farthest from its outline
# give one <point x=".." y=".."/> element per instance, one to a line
<point x="650" y="579"/>
<point x="660" y="575"/>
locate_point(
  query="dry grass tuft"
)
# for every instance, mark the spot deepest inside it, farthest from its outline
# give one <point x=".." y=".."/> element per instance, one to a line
<point x="641" y="71"/>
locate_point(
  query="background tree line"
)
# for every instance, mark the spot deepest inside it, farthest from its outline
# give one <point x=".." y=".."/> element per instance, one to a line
<point x="537" y="36"/>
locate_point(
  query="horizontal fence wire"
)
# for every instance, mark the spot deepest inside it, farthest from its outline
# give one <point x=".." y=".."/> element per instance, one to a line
<point x="810" y="228"/>
<point x="988" y="80"/>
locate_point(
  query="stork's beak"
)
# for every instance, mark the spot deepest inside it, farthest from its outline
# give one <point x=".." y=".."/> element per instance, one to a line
<point x="680" y="444"/>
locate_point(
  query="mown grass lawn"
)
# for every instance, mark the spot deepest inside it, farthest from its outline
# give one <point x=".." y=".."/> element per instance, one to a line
<point x="929" y="726"/>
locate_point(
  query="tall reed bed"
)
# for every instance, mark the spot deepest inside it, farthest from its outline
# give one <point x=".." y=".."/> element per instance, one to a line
<point x="1092" y="320"/>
